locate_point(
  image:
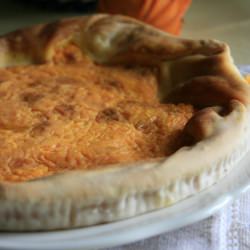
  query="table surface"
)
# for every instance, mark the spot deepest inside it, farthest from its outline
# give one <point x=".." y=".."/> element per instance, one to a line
<point x="226" y="20"/>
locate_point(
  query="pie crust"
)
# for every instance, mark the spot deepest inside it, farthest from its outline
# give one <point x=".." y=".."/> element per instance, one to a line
<point x="197" y="72"/>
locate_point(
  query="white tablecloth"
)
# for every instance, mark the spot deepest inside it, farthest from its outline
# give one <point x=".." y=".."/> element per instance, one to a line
<point x="227" y="230"/>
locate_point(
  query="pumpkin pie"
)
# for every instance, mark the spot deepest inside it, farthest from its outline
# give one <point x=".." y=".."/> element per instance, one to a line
<point x="103" y="118"/>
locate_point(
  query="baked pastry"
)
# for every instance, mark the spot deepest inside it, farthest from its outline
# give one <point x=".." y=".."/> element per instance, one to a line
<point x="103" y="118"/>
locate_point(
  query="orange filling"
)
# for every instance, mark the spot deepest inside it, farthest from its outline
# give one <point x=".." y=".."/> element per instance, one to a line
<point x="60" y="117"/>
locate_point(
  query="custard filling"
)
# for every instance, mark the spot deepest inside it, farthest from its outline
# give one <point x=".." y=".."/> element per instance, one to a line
<point x="58" y="117"/>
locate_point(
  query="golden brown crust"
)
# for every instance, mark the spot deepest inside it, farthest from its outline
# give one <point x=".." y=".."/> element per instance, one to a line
<point x="200" y="72"/>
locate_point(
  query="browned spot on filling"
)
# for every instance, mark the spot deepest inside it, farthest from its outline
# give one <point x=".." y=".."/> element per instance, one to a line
<point x="39" y="128"/>
<point x="65" y="109"/>
<point x="19" y="162"/>
<point x="147" y="127"/>
<point x="109" y="114"/>
<point x="35" y="83"/>
<point x="113" y="84"/>
<point x="2" y="80"/>
<point x="31" y="97"/>
<point x="55" y="89"/>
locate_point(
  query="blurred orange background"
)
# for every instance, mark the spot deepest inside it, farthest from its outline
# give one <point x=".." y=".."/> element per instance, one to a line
<point x="166" y="15"/>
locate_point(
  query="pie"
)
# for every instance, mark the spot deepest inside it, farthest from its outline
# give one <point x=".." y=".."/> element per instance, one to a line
<point x="103" y="118"/>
